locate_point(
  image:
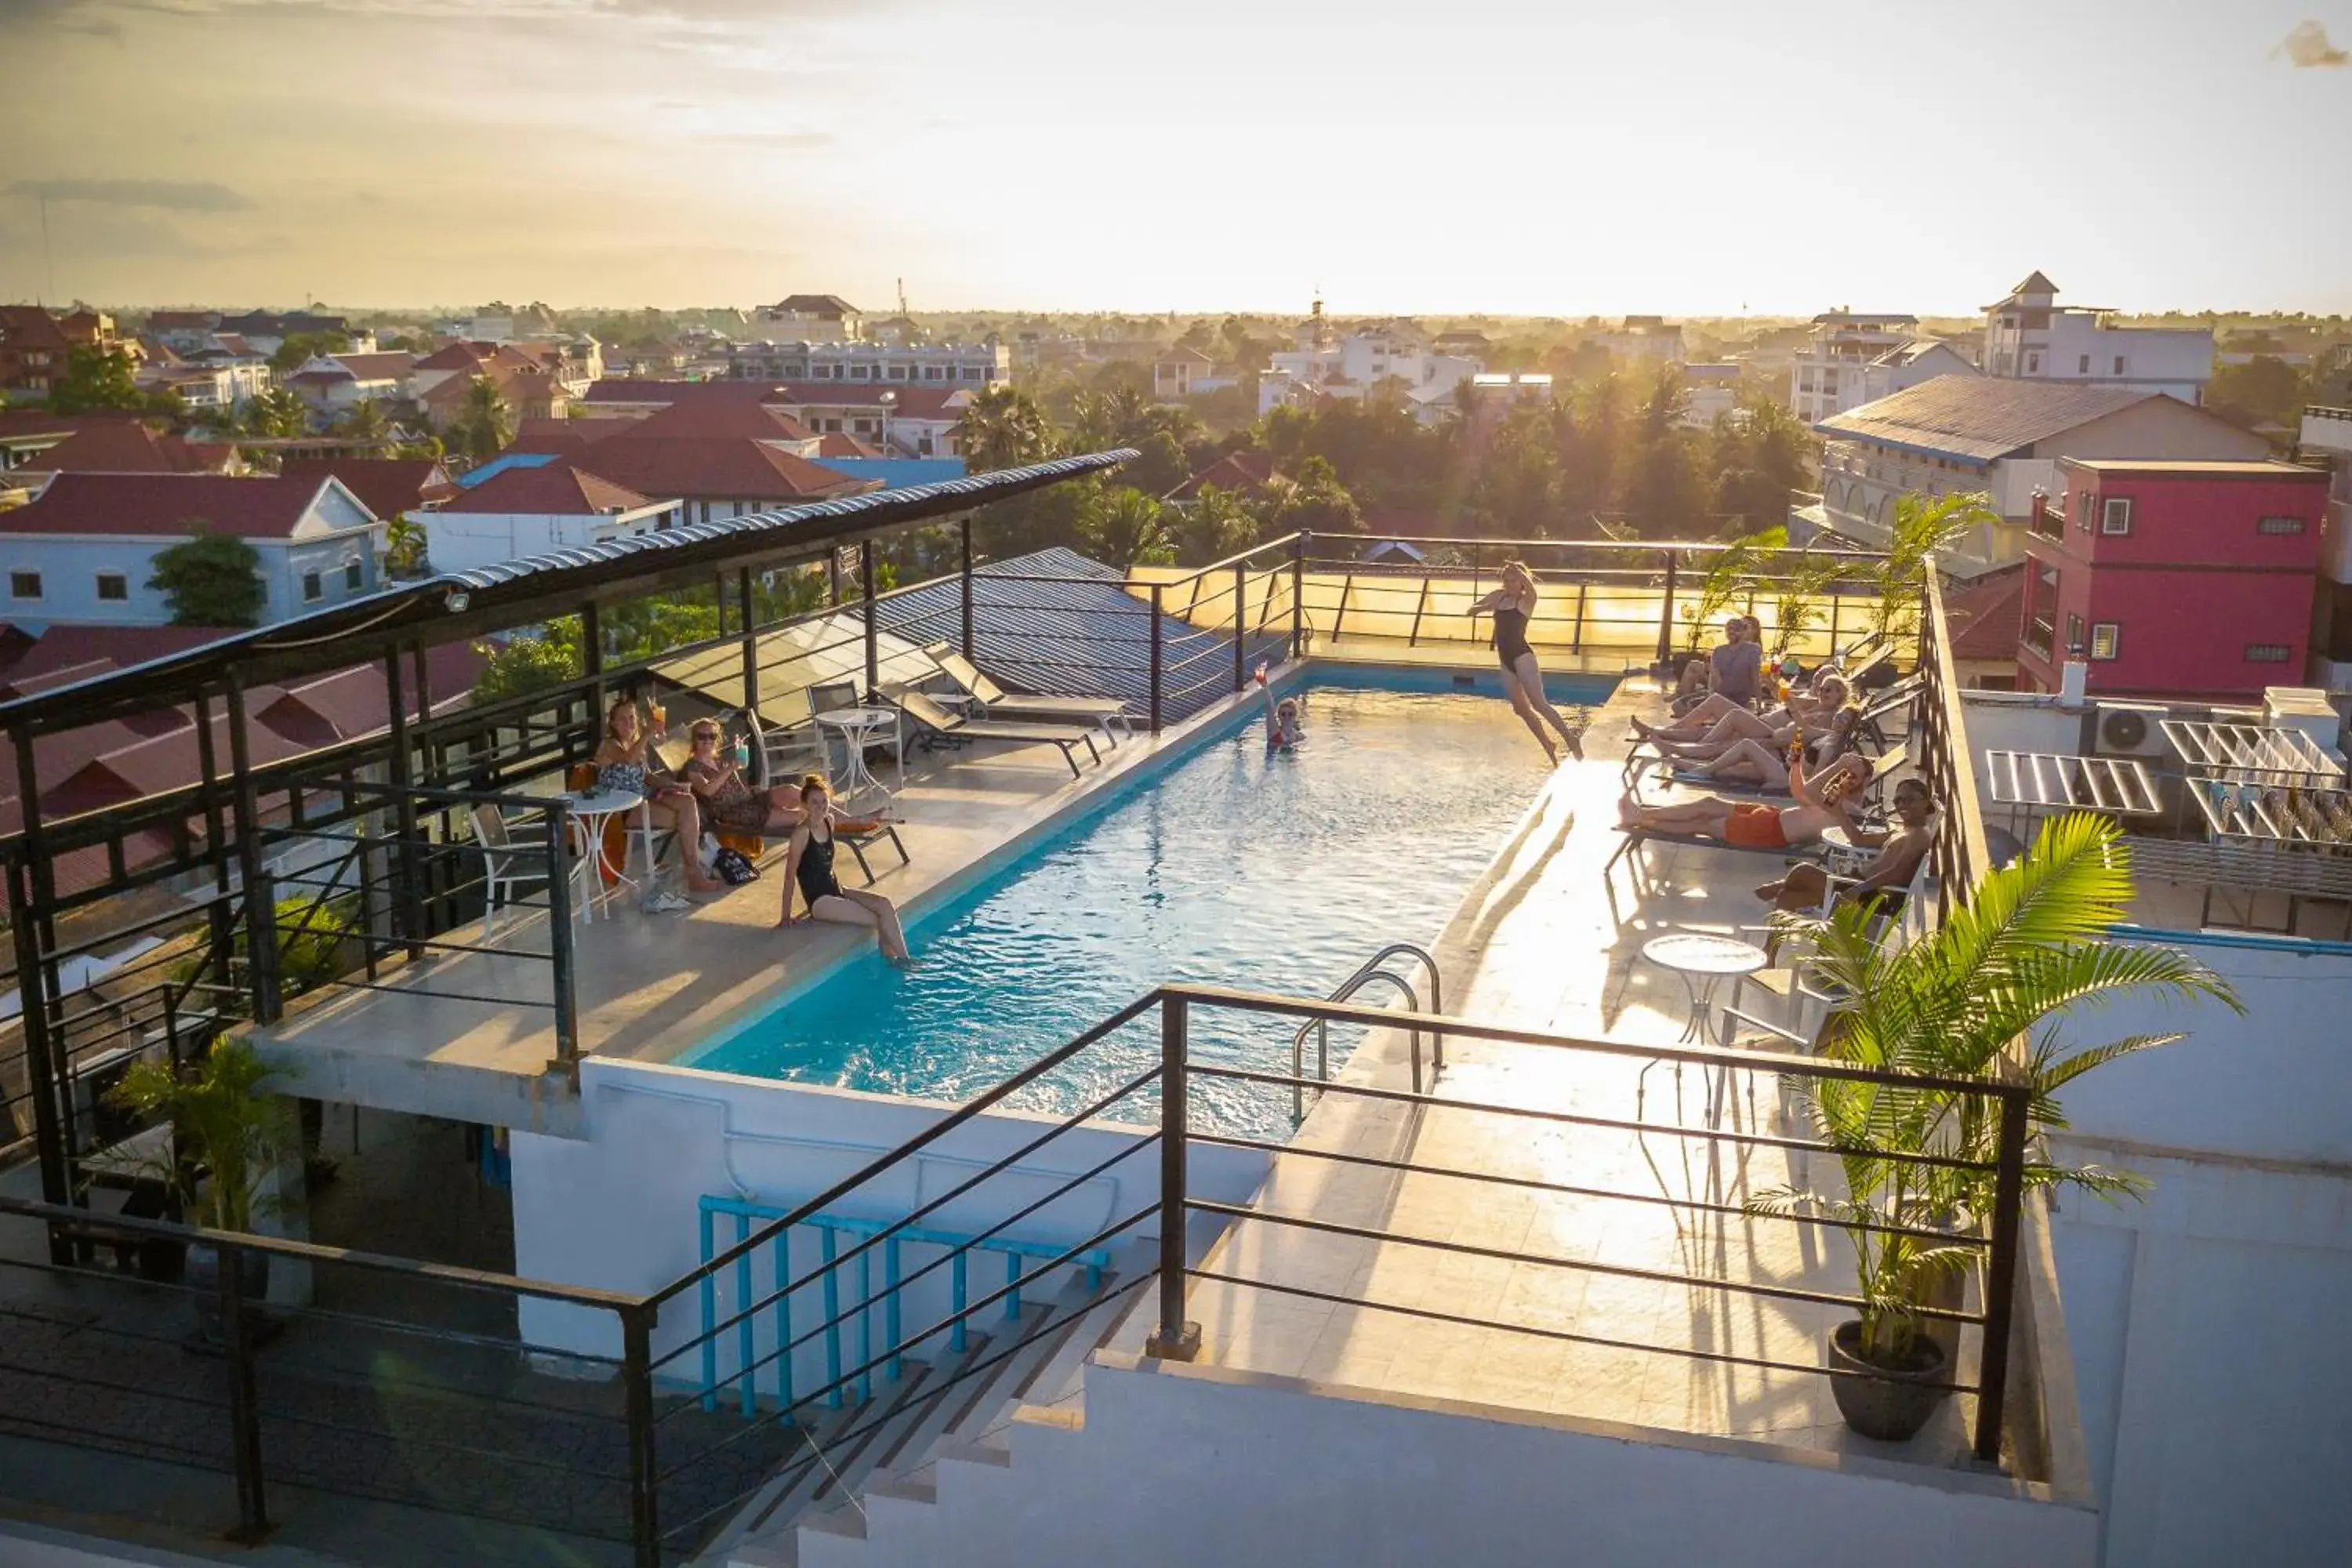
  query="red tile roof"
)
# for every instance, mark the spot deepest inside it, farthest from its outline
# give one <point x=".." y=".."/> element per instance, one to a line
<point x="31" y="327"/>
<point x="456" y="356"/>
<point x="741" y="418"/>
<point x="1988" y="614"/>
<point x="1242" y="473"/>
<point x="916" y="401"/>
<point x="716" y="468"/>
<point x="41" y="422"/>
<point x="389" y="485"/>
<point x="551" y="489"/>
<point x="627" y="391"/>
<point x="834" y="444"/>
<point x="125" y="448"/>
<point x="164" y="505"/>
<point x="392" y="365"/>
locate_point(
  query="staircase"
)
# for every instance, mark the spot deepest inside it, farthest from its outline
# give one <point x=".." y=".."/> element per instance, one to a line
<point x="884" y="1454"/>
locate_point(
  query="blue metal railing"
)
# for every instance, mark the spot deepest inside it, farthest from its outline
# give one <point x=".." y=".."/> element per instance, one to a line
<point x="829" y="1229"/>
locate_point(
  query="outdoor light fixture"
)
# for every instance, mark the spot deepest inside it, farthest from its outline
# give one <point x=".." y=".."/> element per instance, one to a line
<point x="457" y="601"/>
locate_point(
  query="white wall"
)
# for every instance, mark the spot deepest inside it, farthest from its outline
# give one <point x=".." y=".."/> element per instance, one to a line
<point x="2213" y="1411"/>
<point x="1183" y="1467"/>
<point x="617" y="1208"/>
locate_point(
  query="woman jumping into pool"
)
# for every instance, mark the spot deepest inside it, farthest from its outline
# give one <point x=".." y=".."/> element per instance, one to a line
<point x="1513" y="604"/>
<point x="808" y="870"/>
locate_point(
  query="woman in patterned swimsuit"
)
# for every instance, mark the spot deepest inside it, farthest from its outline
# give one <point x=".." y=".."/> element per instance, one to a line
<point x="625" y="761"/>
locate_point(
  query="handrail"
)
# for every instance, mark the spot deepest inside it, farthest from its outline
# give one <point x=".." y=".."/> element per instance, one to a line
<point x="1365" y="974"/>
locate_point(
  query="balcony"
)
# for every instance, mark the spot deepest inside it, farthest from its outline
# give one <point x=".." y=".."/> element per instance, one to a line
<point x="2041" y="636"/>
<point x="2328" y="429"/>
<point x="2049" y="522"/>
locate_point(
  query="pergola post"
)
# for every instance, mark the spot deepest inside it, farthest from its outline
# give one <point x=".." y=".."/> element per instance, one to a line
<point x="873" y="636"/>
<point x="963" y="528"/>
<point x="29" y="896"/>
<point x="407" y="906"/>
<point x="750" y="629"/>
<point x="260" y="918"/>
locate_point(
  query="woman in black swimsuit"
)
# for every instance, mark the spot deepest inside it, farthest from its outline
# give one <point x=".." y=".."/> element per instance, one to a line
<point x="1512" y="604"/>
<point x="808" y="870"/>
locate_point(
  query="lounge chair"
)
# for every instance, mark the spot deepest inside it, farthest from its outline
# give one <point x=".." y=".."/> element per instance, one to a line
<point x="938" y="727"/>
<point x="784" y="755"/>
<point x="1881" y="767"/>
<point x="1894" y="699"/>
<point x="1107" y="712"/>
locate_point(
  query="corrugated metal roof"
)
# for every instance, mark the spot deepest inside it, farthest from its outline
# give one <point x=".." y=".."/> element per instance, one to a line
<point x="1084" y="635"/>
<point x="1980" y="417"/>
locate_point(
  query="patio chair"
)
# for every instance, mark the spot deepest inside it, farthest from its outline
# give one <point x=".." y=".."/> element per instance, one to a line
<point x="1894" y="699"/>
<point x="781" y="756"/>
<point x="508" y="865"/>
<point x="937" y="727"/>
<point x="995" y="702"/>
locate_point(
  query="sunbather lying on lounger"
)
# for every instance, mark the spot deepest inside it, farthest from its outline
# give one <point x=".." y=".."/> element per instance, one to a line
<point x="1825" y="798"/>
<point x="1718" y="718"/>
<point x="1750" y="761"/>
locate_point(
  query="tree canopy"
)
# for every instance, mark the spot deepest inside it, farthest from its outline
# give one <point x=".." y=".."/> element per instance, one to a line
<point x="212" y="580"/>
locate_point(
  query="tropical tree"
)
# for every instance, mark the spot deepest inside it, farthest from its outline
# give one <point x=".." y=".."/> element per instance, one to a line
<point x="1989" y="994"/>
<point x="1800" y="604"/>
<point x="1730" y="573"/>
<point x="522" y="665"/>
<point x="485" y="423"/>
<point x="1318" y="501"/>
<point x="1003" y="428"/>
<point x="364" y="421"/>
<point x="404" y="546"/>
<point x="274" y="412"/>
<point x="98" y="376"/>
<point x="211" y="580"/>
<point x="1124" y="527"/>
<point x="299" y="348"/>
<point x="1213" y="524"/>
<point x="1923" y="527"/>
<point x="225" y="1124"/>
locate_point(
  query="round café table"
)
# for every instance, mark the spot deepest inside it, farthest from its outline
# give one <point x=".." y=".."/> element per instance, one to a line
<point x="1703" y="960"/>
<point x="591" y="809"/>
<point x="858" y="729"/>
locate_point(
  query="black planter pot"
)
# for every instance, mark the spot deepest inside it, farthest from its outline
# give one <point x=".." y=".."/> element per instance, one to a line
<point x="1888" y="1402"/>
<point x="202" y="1275"/>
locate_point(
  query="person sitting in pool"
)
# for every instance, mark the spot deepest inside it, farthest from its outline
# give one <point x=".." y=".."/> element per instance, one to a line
<point x="1824" y="799"/>
<point x="1747" y="760"/>
<point x="1512" y="604"/>
<point x="808" y="871"/>
<point x="624" y="760"/>
<point x="1901" y="848"/>
<point x="1282" y="731"/>
<point x="1717" y="720"/>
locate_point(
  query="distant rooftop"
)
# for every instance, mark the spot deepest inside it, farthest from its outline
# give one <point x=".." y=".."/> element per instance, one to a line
<point x="2251" y="468"/>
<point x="1980" y="418"/>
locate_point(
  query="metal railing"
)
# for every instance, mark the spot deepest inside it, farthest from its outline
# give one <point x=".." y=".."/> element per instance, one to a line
<point x="1373" y="969"/>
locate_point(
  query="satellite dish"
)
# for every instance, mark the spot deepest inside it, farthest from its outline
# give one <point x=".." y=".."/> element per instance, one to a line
<point x="2123" y="730"/>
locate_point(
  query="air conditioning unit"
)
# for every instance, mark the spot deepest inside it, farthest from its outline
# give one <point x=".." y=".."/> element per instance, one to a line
<point x="2129" y="730"/>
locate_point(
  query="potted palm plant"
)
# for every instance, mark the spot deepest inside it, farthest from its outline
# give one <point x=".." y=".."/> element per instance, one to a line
<point x="1980" y="995"/>
<point x="228" y="1134"/>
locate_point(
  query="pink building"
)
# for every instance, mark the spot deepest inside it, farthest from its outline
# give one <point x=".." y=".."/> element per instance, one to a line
<point x="2173" y="579"/>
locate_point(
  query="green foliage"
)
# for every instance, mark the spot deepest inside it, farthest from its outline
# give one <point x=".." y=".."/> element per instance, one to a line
<point x="1922" y="528"/>
<point x="1005" y="428"/>
<point x="1800" y="602"/>
<point x="485" y="424"/>
<point x="274" y="413"/>
<point x="364" y="421"/>
<point x="1729" y="577"/>
<point x="212" y="580"/>
<point x="1214" y="524"/>
<point x="522" y="665"/>
<point x="2028" y="948"/>
<point x="403" y="547"/>
<point x="2265" y="390"/>
<point x="1318" y="501"/>
<point x="1125" y="527"/>
<point x="97" y="378"/>
<point x="224" y="1121"/>
<point x="299" y="348"/>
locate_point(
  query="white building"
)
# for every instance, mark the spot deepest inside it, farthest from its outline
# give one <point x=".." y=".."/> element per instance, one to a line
<point x="1357" y="362"/>
<point x="1712" y="392"/>
<point x="520" y="512"/>
<point x="826" y="317"/>
<point x="948" y="364"/>
<point x="2030" y="336"/>
<point x="1857" y="357"/>
<point x="1645" y="339"/>
<point x="1970" y="433"/>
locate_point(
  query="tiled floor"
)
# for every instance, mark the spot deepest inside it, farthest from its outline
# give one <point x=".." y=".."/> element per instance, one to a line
<point x="1538" y="946"/>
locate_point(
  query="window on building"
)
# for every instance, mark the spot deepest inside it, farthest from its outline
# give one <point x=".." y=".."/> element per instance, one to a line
<point x="2115" y="517"/>
<point x="2084" y="502"/>
<point x="2104" y="638"/>
<point x="314" y="587"/>
<point x="354" y="576"/>
<point x="2279" y="525"/>
<point x="2033" y="364"/>
<point x="2084" y="368"/>
<point x="113" y="588"/>
<point x="24" y="585"/>
<point x="2074" y="634"/>
<point x="2268" y="653"/>
<point x="2119" y="364"/>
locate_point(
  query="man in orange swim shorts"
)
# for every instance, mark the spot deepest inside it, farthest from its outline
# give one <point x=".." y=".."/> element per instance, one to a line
<point x="1827" y="798"/>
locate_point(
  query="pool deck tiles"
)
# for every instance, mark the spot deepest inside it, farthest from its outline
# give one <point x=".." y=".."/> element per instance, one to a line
<point x="1539" y="945"/>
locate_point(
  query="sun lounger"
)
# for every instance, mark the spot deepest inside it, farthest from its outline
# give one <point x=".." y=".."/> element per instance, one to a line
<point x="938" y="727"/>
<point x="1881" y="767"/>
<point x="1894" y="699"/>
<point x="995" y="702"/>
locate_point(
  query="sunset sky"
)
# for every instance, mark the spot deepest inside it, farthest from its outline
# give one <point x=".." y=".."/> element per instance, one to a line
<point x="1538" y="158"/>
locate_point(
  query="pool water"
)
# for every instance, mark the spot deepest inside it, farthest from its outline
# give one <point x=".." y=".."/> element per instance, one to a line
<point x="1276" y="873"/>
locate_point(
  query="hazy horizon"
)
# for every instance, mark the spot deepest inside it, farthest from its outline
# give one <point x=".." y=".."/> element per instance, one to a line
<point x="1051" y="156"/>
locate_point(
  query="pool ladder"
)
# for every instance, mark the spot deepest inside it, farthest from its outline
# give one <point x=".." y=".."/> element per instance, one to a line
<point x="1373" y="968"/>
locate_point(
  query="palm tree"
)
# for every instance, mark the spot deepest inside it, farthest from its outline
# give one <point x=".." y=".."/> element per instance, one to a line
<point x="486" y="422"/>
<point x="1003" y="428"/>
<point x="364" y="421"/>
<point x="1125" y="526"/>
<point x="2027" y="952"/>
<point x="1924" y="527"/>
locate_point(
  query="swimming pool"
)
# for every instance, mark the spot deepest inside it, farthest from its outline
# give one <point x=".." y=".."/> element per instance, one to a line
<point x="1229" y="866"/>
